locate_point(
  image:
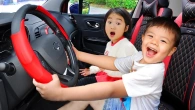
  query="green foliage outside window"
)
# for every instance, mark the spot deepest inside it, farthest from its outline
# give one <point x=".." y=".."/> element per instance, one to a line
<point x="74" y="1"/>
<point x="98" y="2"/>
<point x="128" y="4"/>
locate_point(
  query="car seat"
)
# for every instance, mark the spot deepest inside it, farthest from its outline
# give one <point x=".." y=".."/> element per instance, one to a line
<point x="179" y="83"/>
<point x="150" y="9"/>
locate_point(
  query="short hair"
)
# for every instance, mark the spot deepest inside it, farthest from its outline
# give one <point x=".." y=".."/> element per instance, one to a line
<point x="126" y="16"/>
<point x="168" y="24"/>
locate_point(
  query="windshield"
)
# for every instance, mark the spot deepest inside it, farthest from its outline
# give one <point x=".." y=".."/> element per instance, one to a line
<point x="9" y="6"/>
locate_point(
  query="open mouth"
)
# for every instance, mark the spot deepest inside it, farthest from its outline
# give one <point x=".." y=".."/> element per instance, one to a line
<point x="112" y="33"/>
<point x="151" y="52"/>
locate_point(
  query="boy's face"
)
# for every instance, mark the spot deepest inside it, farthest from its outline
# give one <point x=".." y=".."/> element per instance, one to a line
<point x="115" y="27"/>
<point x="157" y="43"/>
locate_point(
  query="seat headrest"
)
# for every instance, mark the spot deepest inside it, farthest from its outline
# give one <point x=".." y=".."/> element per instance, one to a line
<point x="150" y="9"/>
<point x="165" y="12"/>
<point x="188" y="13"/>
<point x="161" y="3"/>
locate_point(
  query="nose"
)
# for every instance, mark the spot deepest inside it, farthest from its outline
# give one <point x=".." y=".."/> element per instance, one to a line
<point x="154" y="41"/>
<point x="112" y="26"/>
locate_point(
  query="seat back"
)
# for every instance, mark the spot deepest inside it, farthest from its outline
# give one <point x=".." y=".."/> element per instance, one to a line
<point x="179" y="84"/>
<point x="150" y="9"/>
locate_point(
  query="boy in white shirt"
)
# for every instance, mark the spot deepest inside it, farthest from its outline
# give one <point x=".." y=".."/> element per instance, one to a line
<point x="143" y="84"/>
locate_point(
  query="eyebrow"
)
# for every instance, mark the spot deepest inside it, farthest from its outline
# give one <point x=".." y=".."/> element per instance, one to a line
<point x="116" y="18"/>
<point x="119" y="19"/>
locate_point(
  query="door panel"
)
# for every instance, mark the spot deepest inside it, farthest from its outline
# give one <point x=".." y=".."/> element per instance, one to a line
<point x="92" y="34"/>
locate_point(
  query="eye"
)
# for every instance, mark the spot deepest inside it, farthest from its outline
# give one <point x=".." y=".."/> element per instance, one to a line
<point x="150" y="36"/>
<point x="163" y="41"/>
<point x="109" y="22"/>
<point x="118" y="23"/>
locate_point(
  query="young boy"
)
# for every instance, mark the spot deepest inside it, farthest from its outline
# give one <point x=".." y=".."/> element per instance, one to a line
<point x="143" y="83"/>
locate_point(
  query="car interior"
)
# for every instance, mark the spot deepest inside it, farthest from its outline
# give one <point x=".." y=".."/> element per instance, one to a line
<point x="34" y="30"/>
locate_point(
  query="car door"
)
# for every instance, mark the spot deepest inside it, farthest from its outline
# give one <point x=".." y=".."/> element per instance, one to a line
<point x="91" y="35"/>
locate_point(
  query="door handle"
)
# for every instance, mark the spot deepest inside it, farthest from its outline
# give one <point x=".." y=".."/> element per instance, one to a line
<point x="93" y="25"/>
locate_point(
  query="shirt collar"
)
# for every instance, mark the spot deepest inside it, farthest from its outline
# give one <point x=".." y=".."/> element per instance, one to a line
<point x="112" y="44"/>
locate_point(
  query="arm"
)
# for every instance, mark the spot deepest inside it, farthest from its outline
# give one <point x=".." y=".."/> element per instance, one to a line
<point x="95" y="91"/>
<point x="53" y="91"/>
<point x="101" y="61"/>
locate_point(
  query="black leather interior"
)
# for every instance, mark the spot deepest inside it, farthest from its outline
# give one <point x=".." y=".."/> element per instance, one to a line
<point x="150" y="9"/>
<point x="167" y="12"/>
<point x="188" y="10"/>
<point x="179" y="83"/>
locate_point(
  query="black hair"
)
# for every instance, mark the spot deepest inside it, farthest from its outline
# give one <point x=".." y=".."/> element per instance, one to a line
<point x="168" y="24"/>
<point x="126" y="16"/>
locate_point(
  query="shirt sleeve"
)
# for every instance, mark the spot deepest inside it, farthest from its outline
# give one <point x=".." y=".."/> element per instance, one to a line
<point x="93" y="69"/>
<point x="124" y="64"/>
<point x="144" y="81"/>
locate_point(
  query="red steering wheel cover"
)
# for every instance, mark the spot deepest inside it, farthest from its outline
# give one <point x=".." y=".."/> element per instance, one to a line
<point x="25" y="53"/>
<point x="41" y="9"/>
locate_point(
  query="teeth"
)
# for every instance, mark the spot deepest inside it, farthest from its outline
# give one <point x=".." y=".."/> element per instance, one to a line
<point x="152" y="49"/>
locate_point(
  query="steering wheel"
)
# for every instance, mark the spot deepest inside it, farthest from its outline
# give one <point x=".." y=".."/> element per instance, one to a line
<point x="48" y="54"/>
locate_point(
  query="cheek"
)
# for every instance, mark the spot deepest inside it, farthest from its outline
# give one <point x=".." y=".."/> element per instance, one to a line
<point x="164" y="49"/>
<point x="106" y="30"/>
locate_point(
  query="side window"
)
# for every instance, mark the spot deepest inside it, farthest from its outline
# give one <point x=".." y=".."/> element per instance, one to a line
<point x="100" y="6"/>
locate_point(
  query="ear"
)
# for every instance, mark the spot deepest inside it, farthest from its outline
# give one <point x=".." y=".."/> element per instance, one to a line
<point x="126" y="28"/>
<point x="172" y="51"/>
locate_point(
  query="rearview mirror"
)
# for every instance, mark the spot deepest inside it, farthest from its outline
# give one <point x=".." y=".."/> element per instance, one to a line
<point x="74" y="8"/>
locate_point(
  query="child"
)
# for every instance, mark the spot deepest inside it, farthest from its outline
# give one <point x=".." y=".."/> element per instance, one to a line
<point x="117" y="26"/>
<point x="143" y="84"/>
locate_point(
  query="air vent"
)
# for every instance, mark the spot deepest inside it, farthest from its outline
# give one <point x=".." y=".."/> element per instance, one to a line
<point x="37" y="33"/>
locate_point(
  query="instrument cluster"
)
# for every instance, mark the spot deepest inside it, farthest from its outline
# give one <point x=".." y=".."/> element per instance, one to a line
<point x="6" y="47"/>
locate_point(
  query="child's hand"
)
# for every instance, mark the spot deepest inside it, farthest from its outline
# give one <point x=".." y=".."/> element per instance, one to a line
<point x="84" y="72"/>
<point x="51" y="90"/>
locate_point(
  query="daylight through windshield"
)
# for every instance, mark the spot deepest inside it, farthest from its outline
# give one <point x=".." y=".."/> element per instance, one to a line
<point x="14" y="5"/>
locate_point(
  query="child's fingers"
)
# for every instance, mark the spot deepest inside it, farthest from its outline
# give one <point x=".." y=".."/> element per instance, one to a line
<point x="36" y="83"/>
<point x="55" y="77"/>
<point x="38" y="89"/>
<point x="81" y="69"/>
<point x="84" y="74"/>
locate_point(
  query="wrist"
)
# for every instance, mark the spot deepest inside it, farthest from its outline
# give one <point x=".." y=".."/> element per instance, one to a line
<point x="62" y="96"/>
